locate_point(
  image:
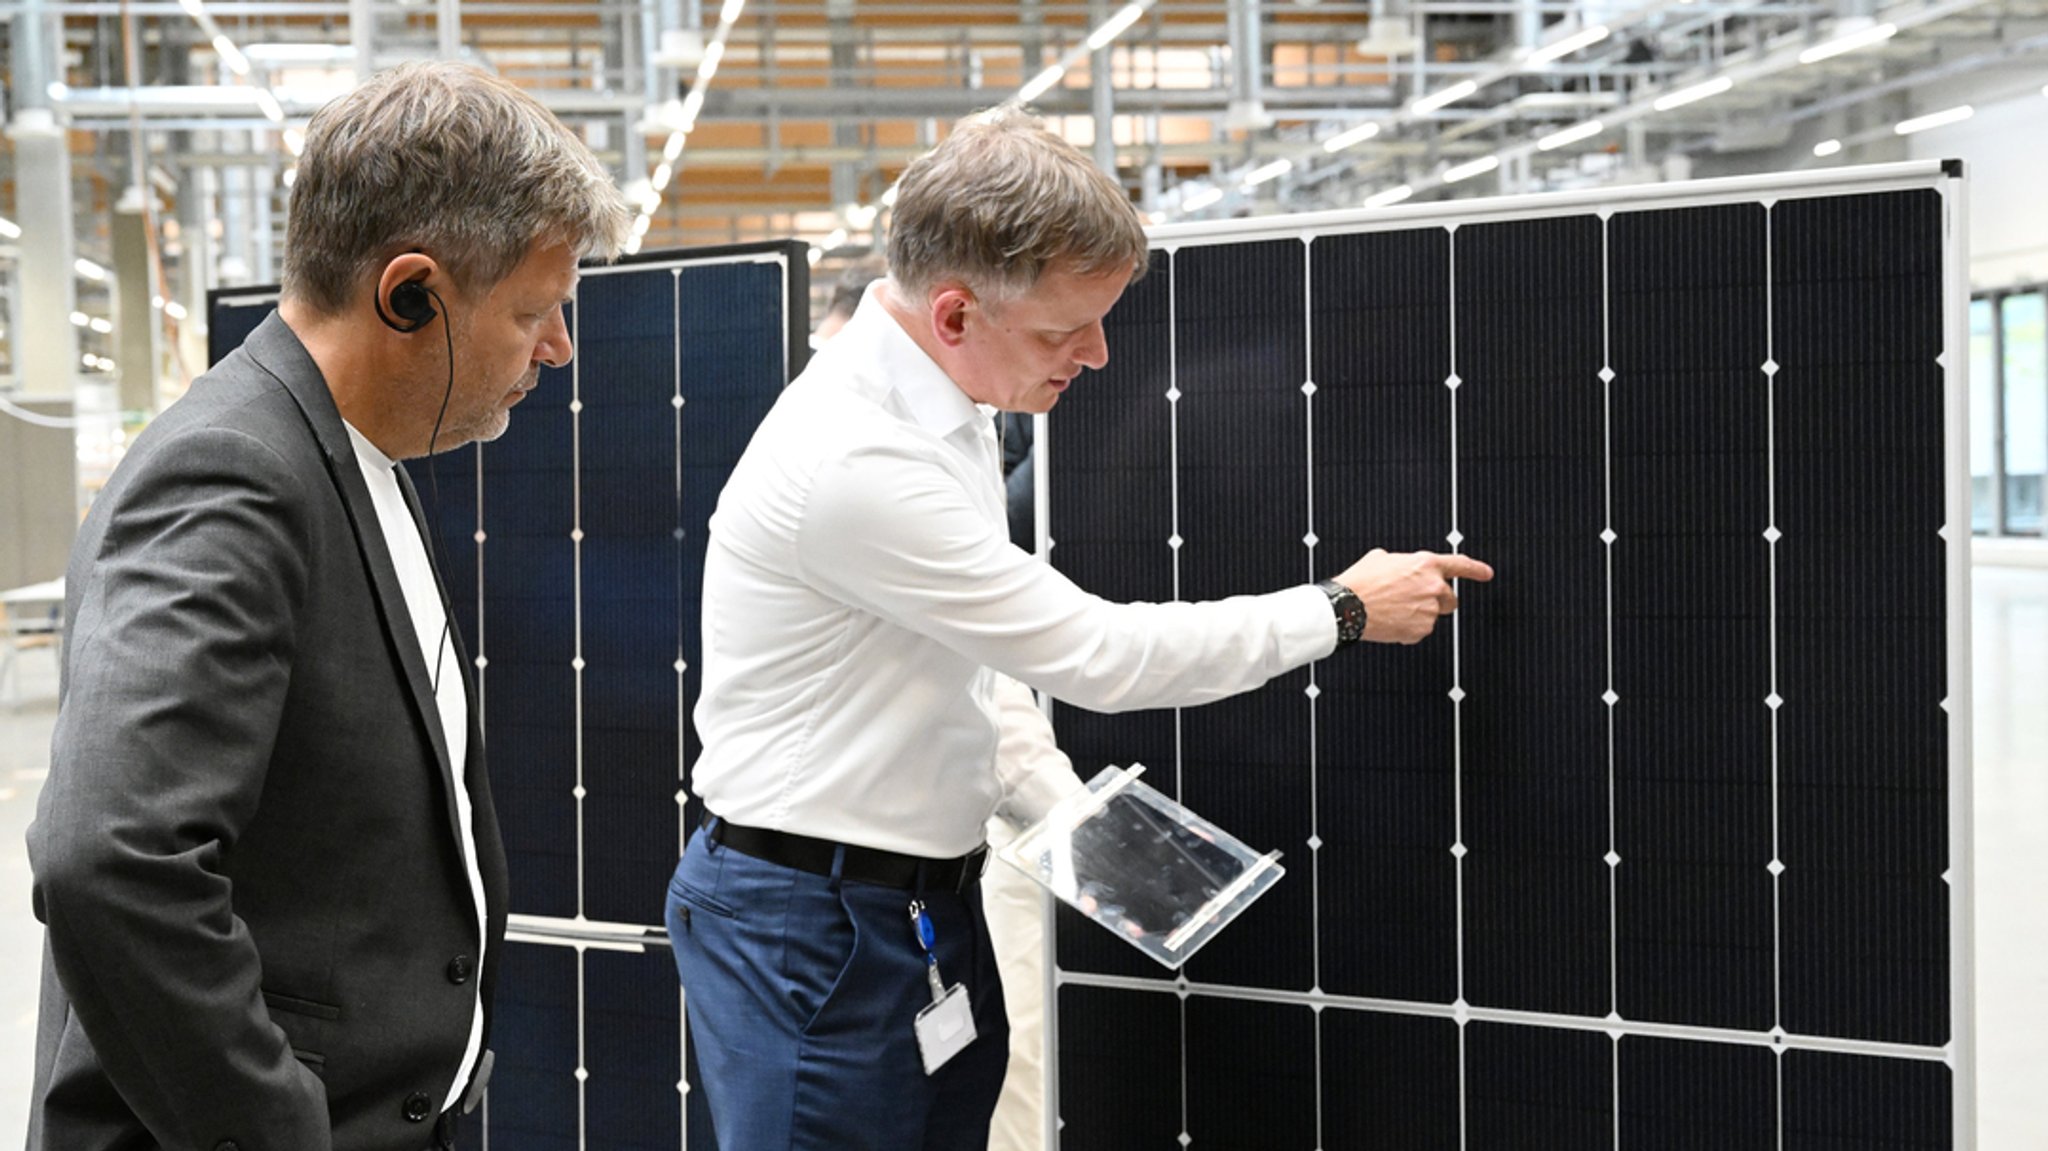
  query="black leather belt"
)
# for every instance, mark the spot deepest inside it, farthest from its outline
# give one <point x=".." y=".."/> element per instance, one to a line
<point x="862" y="865"/>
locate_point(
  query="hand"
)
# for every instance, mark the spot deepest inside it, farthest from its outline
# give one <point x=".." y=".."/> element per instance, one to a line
<point x="1405" y="592"/>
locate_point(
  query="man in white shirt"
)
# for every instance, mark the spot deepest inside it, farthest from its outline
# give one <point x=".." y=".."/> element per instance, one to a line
<point x="868" y="632"/>
<point x="266" y="852"/>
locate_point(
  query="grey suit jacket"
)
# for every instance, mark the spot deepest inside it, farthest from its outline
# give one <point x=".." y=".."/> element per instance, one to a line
<point x="261" y="932"/>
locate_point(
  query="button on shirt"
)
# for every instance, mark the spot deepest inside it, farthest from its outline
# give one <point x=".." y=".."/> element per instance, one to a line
<point x="451" y="696"/>
<point x="861" y="597"/>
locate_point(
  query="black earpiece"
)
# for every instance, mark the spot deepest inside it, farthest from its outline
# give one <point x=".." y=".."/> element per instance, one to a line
<point x="410" y="302"/>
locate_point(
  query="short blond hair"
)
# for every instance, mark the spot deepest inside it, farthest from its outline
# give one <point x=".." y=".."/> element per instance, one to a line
<point x="1000" y="201"/>
<point x="447" y="159"/>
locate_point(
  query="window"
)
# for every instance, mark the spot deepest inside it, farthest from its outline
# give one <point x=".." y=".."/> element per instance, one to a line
<point x="2023" y="324"/>
<point x="1983" y="417"/>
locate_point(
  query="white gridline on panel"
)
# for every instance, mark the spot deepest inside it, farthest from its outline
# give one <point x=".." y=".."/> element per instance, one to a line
<point x="1957" y="1053"/>
<point x="1457" y="679"/>
<point x="682" y="702"/>
<point x="1769" y="368"/>
<point x="1173" y="394"/>
<point x="1555" y="1021"/>
<point x="1309" y="540"/>
<point x="1607" y="536"/>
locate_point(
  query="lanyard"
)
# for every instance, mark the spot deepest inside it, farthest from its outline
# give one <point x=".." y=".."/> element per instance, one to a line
<point x="927" y="935"/>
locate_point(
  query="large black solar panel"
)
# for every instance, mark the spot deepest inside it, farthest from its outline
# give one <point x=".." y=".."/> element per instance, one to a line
<point x="572" y="548"/>
<point x="1654" y="845"/>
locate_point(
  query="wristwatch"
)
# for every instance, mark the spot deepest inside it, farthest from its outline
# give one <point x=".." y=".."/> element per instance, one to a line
<point x="1350" y="611"/>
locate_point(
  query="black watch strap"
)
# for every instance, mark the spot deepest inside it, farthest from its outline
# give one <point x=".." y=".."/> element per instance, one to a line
<point x="1350" y="611"/>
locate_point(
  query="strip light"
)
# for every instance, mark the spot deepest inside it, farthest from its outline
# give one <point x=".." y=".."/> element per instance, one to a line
<point x="1115" y="26"/>
<point x="1947" y="116"/>
<point x="1268" y="172"/>
<point x="1694" y="94"/>
<point x="1565" y="47"/>
<point x="1349" y="137"/>
<point x="1206" y="198"/>
<point x="1100" y="38"/>
<point x="693" y="105"/>
<point x="88" y="269"/>
<point x="1393" y="195"/>
<point x="1571" y="135"/>
<point x="1466" y="171"/>
<point x="1442" y="96"/>
<point x="1827" y="147"/>
<point x="1850" y="43"/>
<point x="10" y="229"/>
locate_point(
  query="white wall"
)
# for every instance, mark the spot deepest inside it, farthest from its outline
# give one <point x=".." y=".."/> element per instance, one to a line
<point x="2004" y="149"/>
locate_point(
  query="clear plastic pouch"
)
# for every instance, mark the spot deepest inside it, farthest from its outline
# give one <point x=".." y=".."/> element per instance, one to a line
<point x="1149" y="870"/>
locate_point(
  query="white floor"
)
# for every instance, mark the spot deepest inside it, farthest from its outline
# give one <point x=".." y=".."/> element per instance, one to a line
<point x="2011" y="780"/>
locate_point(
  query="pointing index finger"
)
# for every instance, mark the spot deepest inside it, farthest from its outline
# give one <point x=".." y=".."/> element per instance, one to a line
<point x="1463" y="567"/>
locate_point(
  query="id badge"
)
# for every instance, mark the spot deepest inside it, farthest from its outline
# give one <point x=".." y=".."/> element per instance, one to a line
<point x="945" y="1028"/>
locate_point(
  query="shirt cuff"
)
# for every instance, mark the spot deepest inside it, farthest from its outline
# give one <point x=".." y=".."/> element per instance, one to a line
<point x="1307" y="624"/>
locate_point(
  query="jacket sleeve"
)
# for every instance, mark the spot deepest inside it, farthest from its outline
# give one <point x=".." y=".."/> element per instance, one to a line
<point x="180" y="656"/>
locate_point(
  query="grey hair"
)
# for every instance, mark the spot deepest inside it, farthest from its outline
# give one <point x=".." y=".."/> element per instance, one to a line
<point x="999" y="202"/>
<point x="447" y="159"/>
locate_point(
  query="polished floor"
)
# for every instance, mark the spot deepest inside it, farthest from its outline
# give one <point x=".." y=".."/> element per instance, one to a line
<point x="2010" y="636"/>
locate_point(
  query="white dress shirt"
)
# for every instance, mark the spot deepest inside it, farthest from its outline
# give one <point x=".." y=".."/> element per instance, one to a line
<point x="451" y="697"/>
<point x="865" y="612"/>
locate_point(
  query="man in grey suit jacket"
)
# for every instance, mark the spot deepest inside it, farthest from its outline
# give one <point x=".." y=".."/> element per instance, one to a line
<point x="266" y="853"/>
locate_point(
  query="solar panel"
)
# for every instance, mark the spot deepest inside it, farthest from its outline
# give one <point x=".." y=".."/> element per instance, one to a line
<point x="572" y="548"/>
<point x="1658" y="843"/>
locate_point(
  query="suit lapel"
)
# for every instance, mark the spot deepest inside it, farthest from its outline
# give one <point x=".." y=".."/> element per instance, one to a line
<point x="278" y="351"/>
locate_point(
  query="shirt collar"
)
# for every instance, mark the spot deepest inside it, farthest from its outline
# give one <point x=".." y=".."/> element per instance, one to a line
<point x="883" y="347"/>
<point x="367" y="454"/>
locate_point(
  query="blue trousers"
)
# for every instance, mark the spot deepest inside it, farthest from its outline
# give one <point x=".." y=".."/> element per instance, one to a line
<point x="802" y="992"/>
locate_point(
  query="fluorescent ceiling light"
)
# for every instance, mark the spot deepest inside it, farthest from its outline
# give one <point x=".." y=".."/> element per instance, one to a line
<point x="272" y="110"/>
<point x="693" y="104"/>
<point x="1827" y="147"/>
<point x="88" y="269"/>
<point x="80" y="319"/>
<point x="1934" y="120"/>
<point x="1443" y="96"/>
<point x="1466" y="171"/>
<point x="1694" y="94"/>
<point x="889" y="197"/>
<point x="1115" y="25"/>
<point x="1571" y="135"/>
<point x="102" y="325"/>
<point x="10" y="229"/>
<point x="231" y="55"/>
<point x="1264" y="173"/>
<point x="193" y="8"/>
<point x="1041" y="84"/>
<point x="835" y="239"/>
<point x="295" y="141"/>
<point x="673" y="147"/>
<point x="1393" y="195"/>
<point x="663" y="173"/>
<point x="708" y="66"/>
<point x="174" y="309"/>
<point x="730" y="14"/>
<point x="1350" y="136"/>
<point x="1206" y="198"/>
<point x="1566" y="46"/>
<point x="1850" y="43"/>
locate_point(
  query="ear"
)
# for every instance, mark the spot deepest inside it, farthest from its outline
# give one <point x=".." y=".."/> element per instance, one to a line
<point x="407" y="267"/>
<point x="952" y="305"/>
